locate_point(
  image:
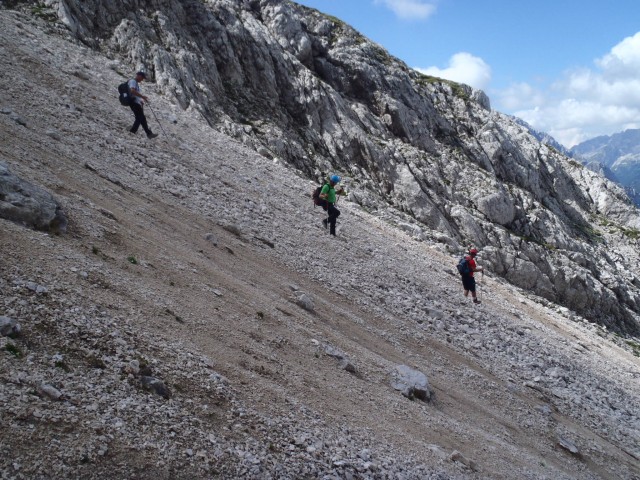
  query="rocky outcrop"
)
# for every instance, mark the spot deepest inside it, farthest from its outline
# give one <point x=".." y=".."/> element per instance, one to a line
<point x="25" y="203"/>
<point x="304" y="87"/>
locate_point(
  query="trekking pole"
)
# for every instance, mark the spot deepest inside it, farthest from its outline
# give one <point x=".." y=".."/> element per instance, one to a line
<point x="154" y="114"/>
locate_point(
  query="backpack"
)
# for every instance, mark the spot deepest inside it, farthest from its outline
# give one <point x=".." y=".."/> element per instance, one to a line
<point x="463" y="266"/>
<point x="316" y="195"/>
<point x="125" y="94"/>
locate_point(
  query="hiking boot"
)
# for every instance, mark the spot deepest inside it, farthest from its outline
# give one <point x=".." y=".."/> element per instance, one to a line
<point x="475" y="300"/>
<point x="324" y="222"/>
<point x="133" y="132"/>
<point x="152" y="135"/>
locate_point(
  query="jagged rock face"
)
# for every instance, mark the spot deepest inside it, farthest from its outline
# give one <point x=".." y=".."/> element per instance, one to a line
<point x="299" y="85"/>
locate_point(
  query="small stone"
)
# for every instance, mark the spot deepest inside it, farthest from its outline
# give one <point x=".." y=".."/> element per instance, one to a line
<point x="49" y="391"/>
<point x="348" y="366"/>
<point x="18" y="120"/>
<point x="133" y="367"/>
<point x="53" y="134"/>
<point x="305" y="301"/>
<point x="456" y="456"/>
<point x="156" y="386"/>
<point x="211" y="238"/>
<point x="9" y="327"/>
<point x="568" y="445"/>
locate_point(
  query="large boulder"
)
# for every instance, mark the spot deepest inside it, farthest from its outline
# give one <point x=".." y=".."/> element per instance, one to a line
<point x="412" y="383"/>
<point x="24" y="203"/>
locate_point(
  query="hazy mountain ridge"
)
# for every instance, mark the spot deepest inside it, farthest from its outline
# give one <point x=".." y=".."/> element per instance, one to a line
<point x="196" y="320"/>
<point x="620" y="153"/>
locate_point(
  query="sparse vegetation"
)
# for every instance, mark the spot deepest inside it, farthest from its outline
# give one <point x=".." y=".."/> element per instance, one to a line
<point x="40" y="10"/>
<point x="457" y="88"/>
<point x="95" y="362"/>
<point x="629" y="232"/>
<point x="593" y="234"/>
<point x="382" y="56"/>
<point x="552" y="148"/>
<point x="574" y="163"/>
<point x="632" y="233"/>
<point x="132" y="260"/>
<point x="14" y="350"/>
<point x="635" y="347"/>
<point x="63" y="366"/>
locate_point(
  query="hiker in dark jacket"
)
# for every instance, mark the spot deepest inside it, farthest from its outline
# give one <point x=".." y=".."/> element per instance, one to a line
<point x="468" y="282"/>
<point x="137" y="105"/>
<point x="328" y="201"/>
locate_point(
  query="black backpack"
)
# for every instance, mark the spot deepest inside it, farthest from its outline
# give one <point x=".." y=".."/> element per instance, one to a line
<point x="463" y="266"/>
<point x="125" y="94"/>
<point x="316" y="195"/>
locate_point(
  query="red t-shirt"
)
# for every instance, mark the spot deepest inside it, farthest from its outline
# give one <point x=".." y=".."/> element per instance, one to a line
<point x="472" y="264"/>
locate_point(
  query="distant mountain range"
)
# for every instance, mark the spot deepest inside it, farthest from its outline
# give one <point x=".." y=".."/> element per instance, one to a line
<point x="616" y="156"/>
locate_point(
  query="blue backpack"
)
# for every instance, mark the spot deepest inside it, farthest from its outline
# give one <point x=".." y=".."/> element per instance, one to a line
<point x="463" y="266"/>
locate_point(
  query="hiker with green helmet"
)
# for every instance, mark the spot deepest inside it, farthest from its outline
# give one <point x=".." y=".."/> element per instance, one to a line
<point x="328" y="201"/>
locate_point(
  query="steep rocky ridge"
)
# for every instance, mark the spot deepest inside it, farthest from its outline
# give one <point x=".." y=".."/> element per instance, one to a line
<point x="544" y="137"/>
<point x="299" y="85"/>
<point x="192" y="323"/>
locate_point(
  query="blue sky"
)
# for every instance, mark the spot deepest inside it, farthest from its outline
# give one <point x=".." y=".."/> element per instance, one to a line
<point x="568" y="67"/>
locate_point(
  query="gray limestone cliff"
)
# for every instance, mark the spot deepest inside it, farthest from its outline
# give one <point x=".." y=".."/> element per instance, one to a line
<point x="304" y="87"/>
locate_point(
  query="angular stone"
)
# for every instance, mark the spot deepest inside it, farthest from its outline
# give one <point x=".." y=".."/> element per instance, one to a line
<point x="411" y="383"/>
<point x="9" y="327"/>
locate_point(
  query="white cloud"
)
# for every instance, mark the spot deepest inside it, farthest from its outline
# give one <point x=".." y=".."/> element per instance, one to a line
<point x="572" y="121"/>
<point x="623" y="60"/>
<point x="409" y="9"/>
<point x="463" y="68"/>
<point x="519" y="96"/>
<point x="585" y="102"/>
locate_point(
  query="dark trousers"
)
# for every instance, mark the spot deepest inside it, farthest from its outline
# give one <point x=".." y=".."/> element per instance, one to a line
<point x="138" y="112"/>
<point x="469" y="283"/>
<point x="333" y="212"/>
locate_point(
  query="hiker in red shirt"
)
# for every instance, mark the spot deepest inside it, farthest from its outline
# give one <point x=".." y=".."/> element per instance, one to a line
<point x="468" y="282"/>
